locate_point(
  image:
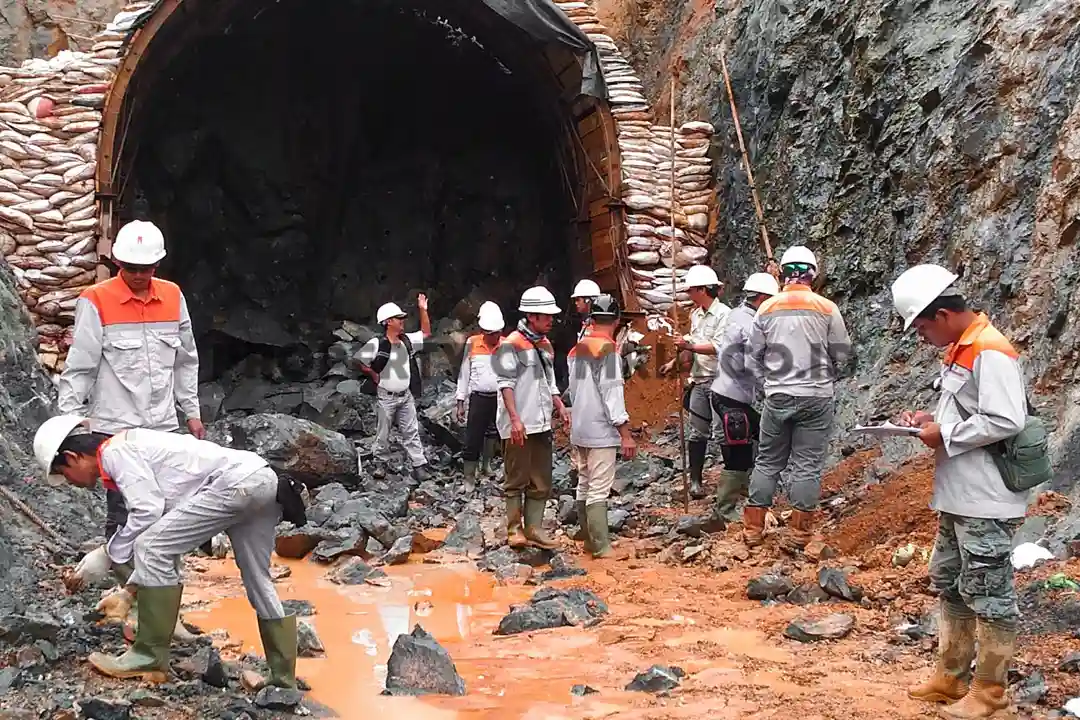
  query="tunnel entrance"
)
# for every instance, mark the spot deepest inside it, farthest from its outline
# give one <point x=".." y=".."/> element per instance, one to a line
<point x="308" y="165"/>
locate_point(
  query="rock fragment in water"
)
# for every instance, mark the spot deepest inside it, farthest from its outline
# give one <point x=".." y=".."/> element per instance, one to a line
<point x="551" y="608"/>
<point x="418" y="665"/>
<point x="308" y="643"/>
<point x="275" y="698"/>
<point x="831" y="627"/>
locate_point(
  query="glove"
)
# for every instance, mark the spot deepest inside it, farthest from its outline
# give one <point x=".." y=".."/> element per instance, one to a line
<point x="115" y="607"/>
<point x="94" y="567"/>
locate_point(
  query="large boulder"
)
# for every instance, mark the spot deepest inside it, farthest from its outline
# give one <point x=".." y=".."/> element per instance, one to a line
<point x="296" y="448"/>
<point x="418" y="665"/>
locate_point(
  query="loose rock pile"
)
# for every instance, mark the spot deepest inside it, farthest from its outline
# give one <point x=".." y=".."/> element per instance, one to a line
<point x="665" y="234"/>
<point x="50" y="119"/>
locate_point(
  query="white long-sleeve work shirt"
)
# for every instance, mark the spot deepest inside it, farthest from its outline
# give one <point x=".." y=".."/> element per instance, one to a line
<point x="477" y="373"/>
<point x="155" y="471"/>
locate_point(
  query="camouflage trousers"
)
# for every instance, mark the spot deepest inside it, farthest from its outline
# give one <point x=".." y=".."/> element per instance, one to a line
<point x="971" y="565"/>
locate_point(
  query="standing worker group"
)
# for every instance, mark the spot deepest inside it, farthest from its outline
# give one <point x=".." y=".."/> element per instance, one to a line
<point x="798" y="347"/>
<point x="982" y="403"/>
<point x="528" y="400"/>
<point x="389" y="361"/>
<point x="478" y="394"/>
<point x="700" y="349"/>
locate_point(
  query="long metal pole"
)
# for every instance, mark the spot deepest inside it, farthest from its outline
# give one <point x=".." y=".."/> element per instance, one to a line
<point x="746" y="161"/>
<point x="675" y="247"/>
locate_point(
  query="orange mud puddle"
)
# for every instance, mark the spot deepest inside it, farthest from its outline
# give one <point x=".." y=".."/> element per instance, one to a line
<point x="737" y="663"/>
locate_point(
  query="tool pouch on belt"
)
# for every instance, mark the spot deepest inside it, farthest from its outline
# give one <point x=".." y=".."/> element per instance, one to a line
<point x="736" y="427"/>
<point x="291" y="499"/>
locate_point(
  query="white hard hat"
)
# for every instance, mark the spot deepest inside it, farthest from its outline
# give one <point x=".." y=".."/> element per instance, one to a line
<point x="49" y="437"/>
<point x="700" y="276"/>
<point x="139" y="243"/>
<point x="387" y="311"/>
<point x="762" y="283"/>
<point x="798" y="254"/>
<point x="538" y="300"/>
<point x="585" y="289"/>
<point x="490" y="317"/>
<point x="917" y="287"/>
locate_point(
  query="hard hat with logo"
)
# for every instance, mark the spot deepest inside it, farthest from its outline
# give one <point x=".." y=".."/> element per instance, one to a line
<point x="761" y="283"/>
<point x="798" y="254"/>
<point x="604" y="307"/>
<point x="917" y="287"/>
<point x="48" y="439"/>
<point x="585" y="289"/>
<point x="490" y="317"/>
<point x="389" y="310"/>
<point x="139" y="243"/>
<point x="538" y="300"/>
<point x="700" y="276"/>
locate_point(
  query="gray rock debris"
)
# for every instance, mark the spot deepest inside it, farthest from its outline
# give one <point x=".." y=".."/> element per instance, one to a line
<point x="418" y="665"/>
<point x="551" y="608"/>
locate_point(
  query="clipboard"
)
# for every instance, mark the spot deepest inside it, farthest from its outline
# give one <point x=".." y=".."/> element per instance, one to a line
<point x="888" y="429"/>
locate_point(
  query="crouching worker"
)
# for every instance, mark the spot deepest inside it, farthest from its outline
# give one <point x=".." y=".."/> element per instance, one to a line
<point x="980" y="494"/>
<point x="599" y="423"/>
<point x="180" y="492"/>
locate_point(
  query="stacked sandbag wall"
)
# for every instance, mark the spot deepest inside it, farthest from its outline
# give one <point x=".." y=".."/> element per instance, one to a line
<point x="656" y="250"/>
<point x="50" y="120"/>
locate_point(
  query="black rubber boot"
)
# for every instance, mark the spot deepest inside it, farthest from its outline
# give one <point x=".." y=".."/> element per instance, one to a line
<point x="696" y="450"/>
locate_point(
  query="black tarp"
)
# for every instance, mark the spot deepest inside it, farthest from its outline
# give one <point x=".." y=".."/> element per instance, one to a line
<point x="549" y="25"/>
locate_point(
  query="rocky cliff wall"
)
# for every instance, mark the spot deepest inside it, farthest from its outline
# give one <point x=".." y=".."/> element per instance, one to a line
<point x="41" y="28"/>
<point x="884" y="133"/>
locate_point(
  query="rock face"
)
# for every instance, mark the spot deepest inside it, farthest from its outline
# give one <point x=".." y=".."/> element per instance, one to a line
<point x="418" y="665"/>
<point x="36" y="29"/>
<point x="297" y="448"/>
<point x="26" y="397"/>
<point x="883" y="134"/>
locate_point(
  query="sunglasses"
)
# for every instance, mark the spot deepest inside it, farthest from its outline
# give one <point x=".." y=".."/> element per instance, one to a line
<point x="137" y="269"/>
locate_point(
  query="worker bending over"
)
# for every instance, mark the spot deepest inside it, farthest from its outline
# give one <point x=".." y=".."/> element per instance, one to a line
<point x="982" y="402"/>
<point x="133" y="358"/>
<point x="180" y="492"/>
<point x="599" y="424"/>
<point x="528" y="398"/>
<point x="389" y="361"/>
<point x="798" y="347"/>
<point x="732" y="398"/>
<point x="706" y="330"/>
<point x="478" y="385"/>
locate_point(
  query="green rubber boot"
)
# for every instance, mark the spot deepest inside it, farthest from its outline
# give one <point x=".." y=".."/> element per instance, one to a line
<point x="583" y="534"/>
<point x="596" y="518"/>
<point x="534" y="525"/>
<point x="486" y="456"/>
<point x="148" y="658"/>
<point x="732" y="486"/>
<point x="514" y="537"/>
<point x="470" y="476"/>
<point x="279" y="647"/>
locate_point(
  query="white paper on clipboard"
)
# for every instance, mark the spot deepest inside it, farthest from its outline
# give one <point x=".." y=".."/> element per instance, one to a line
<point x="887" y="429"/>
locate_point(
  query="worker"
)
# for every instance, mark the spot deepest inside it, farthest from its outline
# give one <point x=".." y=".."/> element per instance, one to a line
<point x="584" y="293"/>
<point x="732" y="397"/>
<point x="701" y="346"/>
<point x="478" y="387"/>
<point x="982" y="401"/>
<point x="389" y="360"/>
<point x="600" y="424"/>
<point x="528" y="400"/>
<point x="180" y="491"/>
<point x="133" y="358"/>
<point x="799" y="345"/>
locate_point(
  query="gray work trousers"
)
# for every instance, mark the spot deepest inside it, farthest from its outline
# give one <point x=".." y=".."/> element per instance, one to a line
<point x="246" y="509"/>
<point x="398" y="410"/>
<point x="794" y="437"/>
<point x="971" y="566"/>
<point x="698" y="406"/>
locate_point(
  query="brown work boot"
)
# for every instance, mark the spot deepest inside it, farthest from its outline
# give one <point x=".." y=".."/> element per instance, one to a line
<point x="534" y="525"/>
<point x="987" y="696"/>
<point x="754" y="525"/>
<point x="800" y="531"/>
<point x="514" y="537"/>
<point x="956" y="650"/>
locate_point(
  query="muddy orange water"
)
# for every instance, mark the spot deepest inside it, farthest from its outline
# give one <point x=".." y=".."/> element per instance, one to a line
<point x="737" y="663"/>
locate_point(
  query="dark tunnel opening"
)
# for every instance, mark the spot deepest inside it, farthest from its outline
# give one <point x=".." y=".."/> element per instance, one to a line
<point x="307" y="166"/>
